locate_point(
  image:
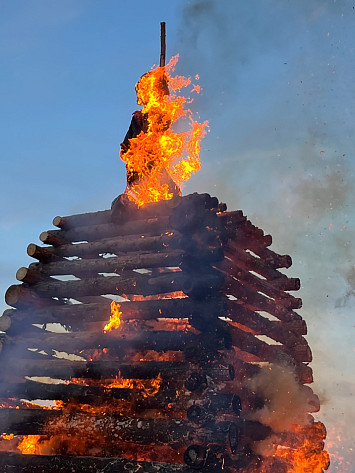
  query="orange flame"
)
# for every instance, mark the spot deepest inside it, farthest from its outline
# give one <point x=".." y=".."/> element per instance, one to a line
<point x="308" y="458"/>
<point x="28" y="445"/>
<point x="162" y="155"/>
<point x="115" y="319"/>
<point x="148" y="387"/>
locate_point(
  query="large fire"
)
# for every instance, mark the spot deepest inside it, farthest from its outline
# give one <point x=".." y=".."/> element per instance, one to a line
<point x="163" y="155"/>
<point x="160" y="157"/>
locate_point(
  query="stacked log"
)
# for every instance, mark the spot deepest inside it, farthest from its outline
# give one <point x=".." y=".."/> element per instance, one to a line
<point x="204" y="308"/>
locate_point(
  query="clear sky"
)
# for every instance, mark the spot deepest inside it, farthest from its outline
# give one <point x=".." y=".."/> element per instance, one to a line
<point x="279" y="93"/>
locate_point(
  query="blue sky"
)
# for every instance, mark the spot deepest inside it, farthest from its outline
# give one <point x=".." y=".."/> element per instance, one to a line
<point x="278" y="91"/>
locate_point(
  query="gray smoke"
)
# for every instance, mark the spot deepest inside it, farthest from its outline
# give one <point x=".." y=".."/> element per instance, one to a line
<point x="277" y="91"/>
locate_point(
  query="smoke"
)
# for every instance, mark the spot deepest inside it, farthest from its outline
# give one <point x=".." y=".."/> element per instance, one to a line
<point x="276" y="79"/>
<point x="288" y="402"/>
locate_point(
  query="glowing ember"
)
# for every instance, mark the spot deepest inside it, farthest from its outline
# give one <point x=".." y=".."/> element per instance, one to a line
<point x="115" y="319"/>
<point x="7" y="437"/>
<point x="160" y="156"/>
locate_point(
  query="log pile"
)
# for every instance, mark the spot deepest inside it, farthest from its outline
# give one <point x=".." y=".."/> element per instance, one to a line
<point x="206" y="309"/>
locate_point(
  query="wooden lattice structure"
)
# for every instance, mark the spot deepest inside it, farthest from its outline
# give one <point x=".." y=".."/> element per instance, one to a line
<point x="204" y="307"/>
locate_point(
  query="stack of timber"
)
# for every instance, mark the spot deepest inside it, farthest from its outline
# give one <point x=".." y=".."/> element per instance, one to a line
<point x="205" y="307"/>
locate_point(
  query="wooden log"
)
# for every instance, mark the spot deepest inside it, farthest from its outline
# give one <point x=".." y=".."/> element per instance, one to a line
<point x="94" y="370"/>
<point x="188" y="219"/>
<point x="262" y="325"/>
<point x="109" y="265"/>
<point x="304" y="373"/>
<point x="152" y="226"/>
<point x="139" y="284"/>
<point x="176" y="433"/>
<point x="114" y="246"/>
<point x="315" y="433"/>
<point x="158" y="341"/>
<point x="18" y="463"/>
<point x="80" y="220"/>
<point x="256" y="301"/>
<point x="44" y="255"/>
<point x="198" y="286"/>
<point x="232" y="218"/>
<point x="50" y="239"/>
<point x="66" y="369"/>
<point x="21" y="296"/>
<point x="298" y="327"/>
<point x="78" y="316"/>
<point x="244" y="240"/>
<point x="247" y="342"/>
<point x="273" y="259"/>
<point x="287" y="284"/>
<point x="28" y="275"/>
<point x="251" y="263"/>
<point x="14" y="327"/>
<point x="260" y="285"/>
<point x="31" y="390"/>
<point x="148" y="211"/>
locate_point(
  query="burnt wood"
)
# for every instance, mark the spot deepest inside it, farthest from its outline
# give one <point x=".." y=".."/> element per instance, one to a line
<point x="31" y="390"/>
<point x="158" y="341"/>
<point x="174" y="432"/>
<point x="17" y="463"/>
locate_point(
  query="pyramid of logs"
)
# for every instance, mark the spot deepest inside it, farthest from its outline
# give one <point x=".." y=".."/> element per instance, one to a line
<point x="204" y="307"/>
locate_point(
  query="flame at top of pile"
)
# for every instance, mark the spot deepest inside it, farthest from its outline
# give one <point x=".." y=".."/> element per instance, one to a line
<point x="160" y="157"/>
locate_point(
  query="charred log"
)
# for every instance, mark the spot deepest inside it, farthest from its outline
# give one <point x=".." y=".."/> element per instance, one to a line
<point x="31" y="390"/>
<point x="157" y="341"/>
<point x="16" y="463"/>
<point x="176" y="433"/>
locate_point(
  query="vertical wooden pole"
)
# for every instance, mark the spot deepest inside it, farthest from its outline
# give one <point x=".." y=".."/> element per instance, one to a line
<point x="162" y="44"/>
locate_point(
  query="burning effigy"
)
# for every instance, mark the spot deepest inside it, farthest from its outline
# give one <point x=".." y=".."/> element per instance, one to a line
<point x="160" y="334"/>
